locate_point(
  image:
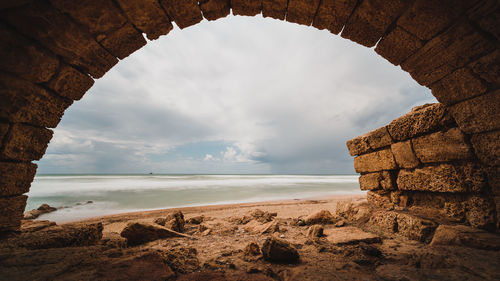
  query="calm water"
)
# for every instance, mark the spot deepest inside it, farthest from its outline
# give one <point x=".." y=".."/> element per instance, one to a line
<point x="113" y="194"/>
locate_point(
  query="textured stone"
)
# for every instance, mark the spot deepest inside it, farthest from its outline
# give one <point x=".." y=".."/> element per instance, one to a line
<point x="215" y="9"/>
<point x="404" y="154"/>
<point x="375" y="161"/>
<point x="124" y="41"/>
<point x="442" y="178"/>
<point x="70" y="83"/>
<point x="489" y="22"/>
<point x="458" y="86"/>
<point x="464" y="236"/>
<point x="442" y="147"/>
<point x="136" y="267"/>
<point x="28" y="103"/>
<point x="481" y="213"/>
<point x="370" y="141"/>
<point x="138" y="233"/>
<point x="378" y="180"/>
<point x="4" y="128"/>
<point x="279" y="251"/>
<point x="302" y="11"/>
<point x="148" y="16"/>
<point x="274" y="8"/>
<point x="488" y="67"/>
<point x="16" y="178"/>
<point x="415" y="228"/>
<point x="350" y="235"/>
<point x="371" y="19"/>
<point x="479" y="114"/>
<point x="184" y="13"/>
<point x="380" y="199"/>
<point x="25" y="143"/>
<point x="493" y="175"/>
<point x="23" y="58"/>
<point x="11" y="209"/>
<point x="320" y="217"/>
<point x="398" y="45"/>
<point x="246" y="7"/>
<point x="384" y="221"/>
<point x="487" y="147"/>
<point x="315" y="231"/>
<point x="333" y="14"/>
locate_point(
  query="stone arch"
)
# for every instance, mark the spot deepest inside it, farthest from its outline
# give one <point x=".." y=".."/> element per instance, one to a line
<point x="52" y="50"/>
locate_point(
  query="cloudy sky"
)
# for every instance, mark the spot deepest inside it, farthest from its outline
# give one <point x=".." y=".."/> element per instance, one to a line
<point x="239" y="95"/>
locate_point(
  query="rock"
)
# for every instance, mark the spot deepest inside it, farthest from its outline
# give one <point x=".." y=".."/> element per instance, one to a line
<point x="262" y="216"/>
<point x="114" y="240"/>
<point x="206" y="232"/>
<point x="30" y="226"/>
<point x="31" y="215"/>
<point x="349" y="235"/>
<point x="46" y="208"/>
<point x="279" y="251"/>
<point x="340" y="223"/>
<point x="202" y="228"/>
<point x="148" y="264"/>
<point x="139" y="233"/>
<point x="252" y="249"/>
<point x="182" y="260"/>
<point x="358" y="211"/>
<point x="175" y="221"/>
<point x="461" y="235"/>
<point x="415" y="228"/>
<point x="315" y="231"/>
<point x="320" y="217"/>
<point x="196" y="220"/>
<point x="160" y="221"/>
<point x="35" y="213"/>
<point x="380" y="199"/>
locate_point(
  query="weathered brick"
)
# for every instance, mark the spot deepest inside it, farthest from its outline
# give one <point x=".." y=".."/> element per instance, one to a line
<point x="371" y="19"/>
<point x="415" y="228"/>
<point x="274" y="8"/>
<point x="479" y="114"/>
<point x="25" y="143"/>
<point x="124" y="41"/>
<point x="460" y="85"/>
<point x="148" y="16"/>
<point x="380" y="199"/>
<point x="4" y="128"/>
<point x="246" y="7"/>
<point x="302" y="11"/>
<point x="358" y="146"/>
<point x="488" y="67"/>
<point x="375" y="161"/>
<point x="23" y="58"/>
<point x="70" y="83"/>
<point x="384" y="221"/>
<point x="370" y="141"/>
<point x="443" y="178"/>
<point x="398" y="45"/>
<point x="489" y="22"/>
<point x="12" y="209"/>
<point x="333" y="14"/>
<point x="493" y="175"/>
<point x="481" y="212"/>
<point x="24" y="102"/>
<point x="215" y="9"/>
<point x="442" y="147"/>
<point x="404" y="155"/>
<point x="448" y="205"/>
<point x="487" y="147"/>
<point x="16" y="178"/>
<point x="184" y="13"/>
<point x="378" y="180"/>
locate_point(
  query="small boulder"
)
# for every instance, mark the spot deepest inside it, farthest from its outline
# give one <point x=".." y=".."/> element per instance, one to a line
<point x="320" y="217"/>
<point x="279" y="251"/>
<point x="139" y="233"/>
<point x="461" y="235"/>
<point x="315" y="231"/>
<point x="176" y="222"/>
<point x="349" y="236"/>
<point x="252" y="249"/>
<point x="46" y="208"/>
<point x="196" y="220"/>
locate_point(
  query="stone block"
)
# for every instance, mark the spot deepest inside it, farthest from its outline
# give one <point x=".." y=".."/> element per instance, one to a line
<point x="384" y="221"/>
<point x="442" y="147"/>
<point x="370" y="141"/>
<point x="464" y="236"/>
<point x="371" y="19"/>
<point x="460" y="85"/>
<point x="24" y="102"/>
<point x="479" y="114"/>
<point x="493" y="175"/>
<point x="21" y="57"/>
<point x="358" y="146"/>
<point x="25" y="143"/>
<point x="489" y="23"/>
<point x="184" y="13"/>
<point x="246" y="7"/>
<point x="443" y="178"/>
<point x="215" y="9"/>
<point x="487" y="147"/>
<point x="302" y="11"/>
<point x="274" y="8"/>
<point x="380" y="199"/>
<point x="16" y="178"/>
<point x="4" y="128"/>
<point x="12" y="209"/>
<point x="398" y="45"/>
<point x="70" y="83"/>
<point x="453" y="49"/>
<point x="58" y="33"/>
<point x="124" y="41"/>
<point x="378" y="180"/>
<point x="488" y="67"/>
<point x="404" y="154"/>
<point x="415" y="228"/>
<point x="148" y="16"/>
<point x="332" y="14"/>
<point x="481" y="213"/>
<point x="375" y="161"/>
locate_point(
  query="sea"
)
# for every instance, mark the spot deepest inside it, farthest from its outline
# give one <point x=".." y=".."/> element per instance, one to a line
<point x="80" y="197"/>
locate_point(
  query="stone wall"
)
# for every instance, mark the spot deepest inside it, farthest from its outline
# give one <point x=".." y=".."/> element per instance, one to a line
<point x="424" y="163"/>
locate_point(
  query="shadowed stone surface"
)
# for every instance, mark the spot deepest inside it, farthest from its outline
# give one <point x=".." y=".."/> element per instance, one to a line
<point x="184" y="13"/>
<point x="333" y="14"/>
<point x="215" y="9"/>
<point x="370" y="141"/>
<point x="274" y="8"/>
<point x="487" y="147"/>
<point x="124" y="41"/>
<point x="459" y="85"/>
<point x="379" y="180"/>
<point x="15" y="178"/>
<point x="246" y="7"/>
<point x="398" y="45"/>
<point x="14" y="207"/>
<point x="25" y="143"/>
<point x="488" y="67"/>
<point x="302" y="11"/>
<point x="442" y="147"/>
<point x="148" y="16"/>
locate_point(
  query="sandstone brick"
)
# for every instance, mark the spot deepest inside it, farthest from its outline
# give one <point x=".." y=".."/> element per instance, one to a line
<point x="396" y="197"/>
<point x="490" y="22"/>
<point x="458" y="86"/>
<point x="375" y="161"/>
<point x="415" y="228"/>
<point x="25" y="143"/>
<point x="59" y="34"/>
<point x="453" y="49"/>
<point x="302" y="11"/>
<point x="398" y="45"/>
<point x="332" y="14"/>
<point x="371" y="19"/>
<point x="215" y="9"/>
<point x="246" y="7"/>
<point x="4" y="128"/>
<point x="70" y="83"/>
<point x="487" y="147"/>
<point x="384" y="221"/>
<point x="481" y="213"/>
<point x="358" y="146"/>
<point x="148" y="16"/>
<point x="443" y="178"/>
<point x="274" y="8"/>
<point x="493" y="175"/>
<point x="380" y="199"/>
<point x="184" y="13"/>
<point x="124" y="41"/>
<point x="479" y="114"/>
<point x="23" y="58"/>
<point x="442" y="147"/>
<point x="28" y="103"/>
<point x="378" y="180"/>
<point x="12" y="209"/>
<point x="451" y="206"/>
<point x="488" y="67"/>
<point x="404" y="155"/>
<point x="370" y="141"/>
<point x="16" y="178"/>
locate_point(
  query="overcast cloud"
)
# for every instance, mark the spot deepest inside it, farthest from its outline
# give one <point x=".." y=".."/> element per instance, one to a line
<point x="239" y="95"/>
